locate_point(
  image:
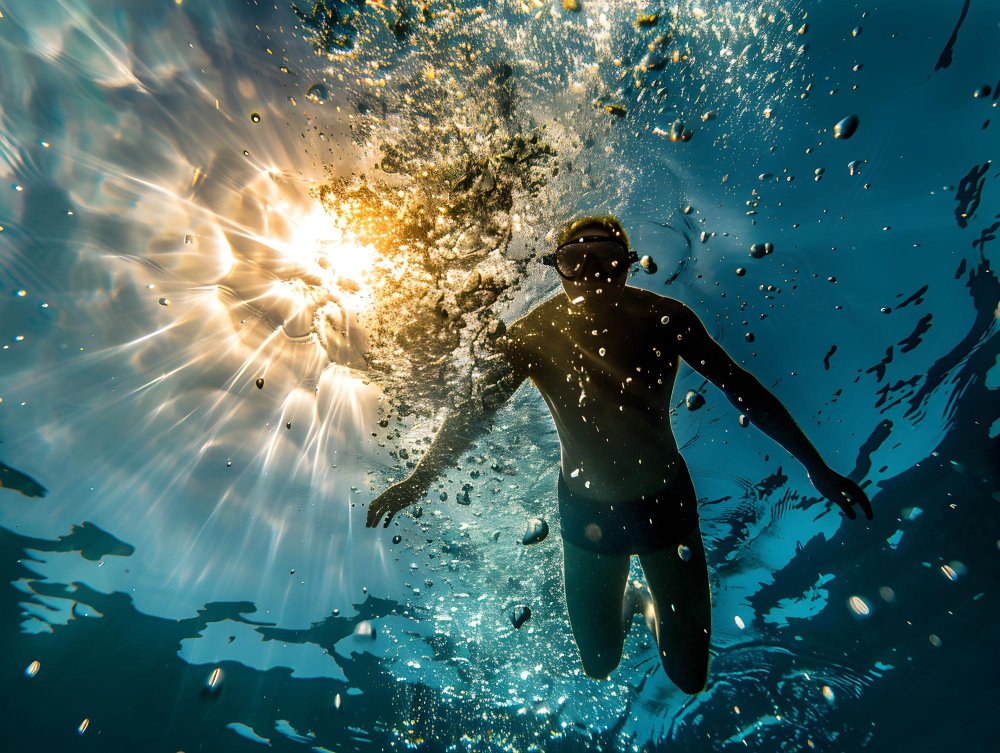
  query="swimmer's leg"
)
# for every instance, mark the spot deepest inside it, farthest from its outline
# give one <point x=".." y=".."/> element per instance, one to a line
<point x="595" y="590"/>
<point x="682" y="600"/>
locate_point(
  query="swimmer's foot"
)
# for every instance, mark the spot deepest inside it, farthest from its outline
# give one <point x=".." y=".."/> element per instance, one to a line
<point x="637" y="602"/>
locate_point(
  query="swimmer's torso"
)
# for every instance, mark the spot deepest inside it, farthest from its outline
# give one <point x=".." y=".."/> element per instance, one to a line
<point x="607" y="377"/>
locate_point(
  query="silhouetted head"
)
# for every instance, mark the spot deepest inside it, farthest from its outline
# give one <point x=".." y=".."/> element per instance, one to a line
<point x="593" y="258"/>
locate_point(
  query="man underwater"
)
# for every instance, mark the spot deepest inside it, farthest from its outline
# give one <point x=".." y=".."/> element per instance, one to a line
<point x="604" y="357"/>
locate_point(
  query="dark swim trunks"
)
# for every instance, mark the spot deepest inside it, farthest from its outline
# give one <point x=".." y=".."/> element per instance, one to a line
<point x="638" y="526"/>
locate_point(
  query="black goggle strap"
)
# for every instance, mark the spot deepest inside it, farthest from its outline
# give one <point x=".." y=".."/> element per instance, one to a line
<point x="549" y="259"/>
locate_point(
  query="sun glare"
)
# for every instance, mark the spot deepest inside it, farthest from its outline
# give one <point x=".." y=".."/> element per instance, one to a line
<point x="333" y="257"/>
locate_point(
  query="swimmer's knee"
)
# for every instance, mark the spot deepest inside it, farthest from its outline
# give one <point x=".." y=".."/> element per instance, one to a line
<point x="693" y="684"/>
<point x="599" y="666"/>
<point x="690" y="676"/>
<point x="599" y="672"/>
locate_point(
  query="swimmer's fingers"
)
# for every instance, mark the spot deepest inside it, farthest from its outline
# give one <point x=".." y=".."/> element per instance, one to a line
<point x="845" y="505"/>
<point x="379" y="507"/>
<point x="397" y="497"/>
<point x="847" y="495"/>
<point x="858" y="497"/>
<point x="374" y="513"/>
<point x="841" y="491"/>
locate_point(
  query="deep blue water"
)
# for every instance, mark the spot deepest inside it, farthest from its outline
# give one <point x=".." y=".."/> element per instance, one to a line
<point x="179" y="219"/>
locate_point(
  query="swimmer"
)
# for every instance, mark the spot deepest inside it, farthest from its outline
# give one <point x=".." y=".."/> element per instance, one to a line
<point x="604" y="357"/>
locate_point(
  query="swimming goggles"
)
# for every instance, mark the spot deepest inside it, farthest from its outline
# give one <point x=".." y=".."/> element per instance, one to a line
<point x="570" y="259"/>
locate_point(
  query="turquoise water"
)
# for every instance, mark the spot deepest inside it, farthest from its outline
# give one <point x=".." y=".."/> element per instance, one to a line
<point x="185" y="212"/>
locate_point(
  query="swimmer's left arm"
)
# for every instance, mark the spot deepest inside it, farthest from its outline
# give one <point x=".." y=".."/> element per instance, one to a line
<point x="754" y="400"/>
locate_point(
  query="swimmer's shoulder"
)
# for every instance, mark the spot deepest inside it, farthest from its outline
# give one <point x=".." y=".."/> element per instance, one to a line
<point x="536" y="321"/>
<point x="645" y="304"/>
<point x="525" y="335"/>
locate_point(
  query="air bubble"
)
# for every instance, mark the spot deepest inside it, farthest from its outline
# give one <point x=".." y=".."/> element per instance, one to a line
<point x="214" y="681"/>
<point x="318" y="93"/>
<point x="846" y="127"/>
<point x="859" y="606"/>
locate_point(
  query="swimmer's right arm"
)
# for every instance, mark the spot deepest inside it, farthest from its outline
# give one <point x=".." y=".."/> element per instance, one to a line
<point x="463" y="424"/>
<point x="749" y="396"/>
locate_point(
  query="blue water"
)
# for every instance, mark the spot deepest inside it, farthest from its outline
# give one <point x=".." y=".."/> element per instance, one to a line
<point x="180" y="220"/>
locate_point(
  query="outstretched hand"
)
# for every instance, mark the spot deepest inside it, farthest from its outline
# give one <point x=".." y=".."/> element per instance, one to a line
<point x="842" y="491"/>
<point x="397" y="497"/>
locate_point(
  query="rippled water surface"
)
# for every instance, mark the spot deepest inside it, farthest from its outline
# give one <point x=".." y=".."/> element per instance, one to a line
<point x="251" y="252"/>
